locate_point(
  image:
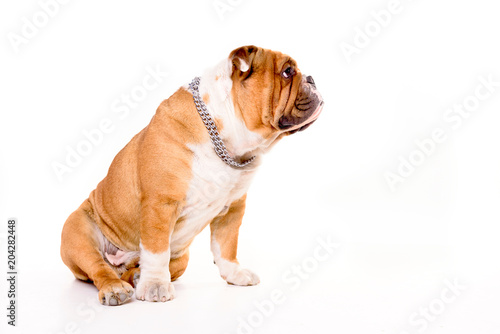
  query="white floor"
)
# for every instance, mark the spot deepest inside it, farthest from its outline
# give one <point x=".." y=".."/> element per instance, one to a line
<point x="359" y="288"/>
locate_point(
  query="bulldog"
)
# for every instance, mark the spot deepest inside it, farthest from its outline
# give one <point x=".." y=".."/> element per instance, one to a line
<point x="189" y="168"/>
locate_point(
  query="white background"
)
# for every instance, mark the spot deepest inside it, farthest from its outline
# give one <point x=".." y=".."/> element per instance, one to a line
<point x="397" y="248"/>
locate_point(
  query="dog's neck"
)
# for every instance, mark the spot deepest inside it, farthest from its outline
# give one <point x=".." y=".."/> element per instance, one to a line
<point x="215" y="90"/>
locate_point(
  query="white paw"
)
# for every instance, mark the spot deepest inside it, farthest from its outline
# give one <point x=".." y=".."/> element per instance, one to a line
<point x="155" y="290"/>
<point x="240" y="276"/>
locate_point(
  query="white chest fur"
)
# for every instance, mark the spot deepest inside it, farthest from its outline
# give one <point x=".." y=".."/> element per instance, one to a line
<point x="213" y="187"/>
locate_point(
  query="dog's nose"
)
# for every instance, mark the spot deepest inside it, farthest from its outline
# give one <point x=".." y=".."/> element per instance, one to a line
<point x="309" y="79"/>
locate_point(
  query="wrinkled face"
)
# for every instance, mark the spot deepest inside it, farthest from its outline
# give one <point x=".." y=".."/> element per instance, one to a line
<point x="270" y="93"/>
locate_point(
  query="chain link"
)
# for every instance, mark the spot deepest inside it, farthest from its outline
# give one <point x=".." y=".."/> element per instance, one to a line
<point x="215" y="138"/>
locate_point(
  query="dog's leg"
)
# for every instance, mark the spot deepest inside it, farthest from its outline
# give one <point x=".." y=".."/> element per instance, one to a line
<point x="224" y="243"/>
<point x="159" y="215"/>
<point x="80" y="252"/>
<point x="177" y="267"/>
<point x="132" y="276"/>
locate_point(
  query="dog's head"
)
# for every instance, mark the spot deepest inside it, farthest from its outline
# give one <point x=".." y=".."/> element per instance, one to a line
<point x="271" y="94"/>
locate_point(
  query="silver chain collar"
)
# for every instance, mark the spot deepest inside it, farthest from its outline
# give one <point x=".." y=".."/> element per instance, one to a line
<point x="217" y="142"/>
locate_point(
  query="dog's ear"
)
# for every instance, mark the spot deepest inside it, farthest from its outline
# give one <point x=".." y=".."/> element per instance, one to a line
<point x="242" y="59"/>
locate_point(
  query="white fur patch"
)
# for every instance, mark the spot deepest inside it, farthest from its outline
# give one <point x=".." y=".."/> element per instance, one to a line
<point x="154" y="283"/>
<point x="213" y="188"/>
<point x="154" y="266"/>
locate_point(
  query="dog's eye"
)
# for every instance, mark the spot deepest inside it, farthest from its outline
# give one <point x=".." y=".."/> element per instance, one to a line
<point x="288" y="73"/>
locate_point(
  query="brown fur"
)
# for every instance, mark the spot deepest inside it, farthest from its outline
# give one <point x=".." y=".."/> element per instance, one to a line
<point x="225" y="229"/>
<point x="272" y="95"/>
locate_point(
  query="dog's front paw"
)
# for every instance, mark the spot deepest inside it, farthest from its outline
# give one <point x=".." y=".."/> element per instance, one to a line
<point x="154" y="290"/>
<point x="115" y="293"/>
<point x="240" y="276"/>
